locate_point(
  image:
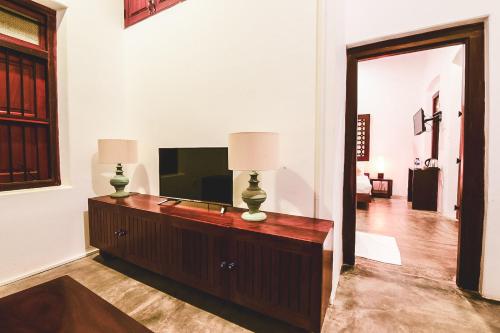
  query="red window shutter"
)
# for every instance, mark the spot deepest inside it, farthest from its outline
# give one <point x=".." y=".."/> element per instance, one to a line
<point x="14" y="84"/>
<point x="24" y="122"/>
<point x="3" y="83"/>
<point x="41" y="91"/>
<point x="28" y="103"/>
<point x="4" y="154"/>
<point x="28" y="76"/>
<point x="137" y="10"/>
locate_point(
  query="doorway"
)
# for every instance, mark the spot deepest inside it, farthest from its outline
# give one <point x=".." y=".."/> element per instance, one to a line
<point x="470" y="208"/>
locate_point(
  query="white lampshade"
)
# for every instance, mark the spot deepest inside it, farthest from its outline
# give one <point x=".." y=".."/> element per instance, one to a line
<point x="113" y="151"/>
<point x="380" y="164"/>
<point x="254" y="151"/>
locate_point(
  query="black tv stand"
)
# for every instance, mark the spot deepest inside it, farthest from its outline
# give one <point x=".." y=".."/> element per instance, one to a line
<point x="177" y="201"/>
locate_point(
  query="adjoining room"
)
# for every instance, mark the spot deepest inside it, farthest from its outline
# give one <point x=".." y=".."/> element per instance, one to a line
<point x="409" y="142"/>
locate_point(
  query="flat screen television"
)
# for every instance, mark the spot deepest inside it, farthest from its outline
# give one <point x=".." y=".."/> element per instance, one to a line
<point x="196" y="174"/>
<point x="419" y="122"/>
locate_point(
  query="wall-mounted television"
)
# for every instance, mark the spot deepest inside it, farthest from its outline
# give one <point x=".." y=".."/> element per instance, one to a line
<point x="196" y="174"/>
<point x="419" y="122"/>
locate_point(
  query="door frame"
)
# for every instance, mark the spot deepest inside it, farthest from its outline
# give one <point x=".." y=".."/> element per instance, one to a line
<point x="472" y="156"/>
<point x="436" y="124"/>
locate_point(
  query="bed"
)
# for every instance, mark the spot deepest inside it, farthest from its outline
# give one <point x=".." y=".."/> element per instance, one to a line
<point x="363" y="189"/>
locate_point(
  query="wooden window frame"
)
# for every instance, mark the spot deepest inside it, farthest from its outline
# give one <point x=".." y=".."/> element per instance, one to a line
<point x="366" y="143"/>
<point x="153" y="8"/>
<point x="46" y="51"/>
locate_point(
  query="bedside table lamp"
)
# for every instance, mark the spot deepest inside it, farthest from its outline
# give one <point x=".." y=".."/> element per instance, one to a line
<point x="380" y="167"/>
<point x="113" y="151"/>
<point x="253" y="151"/>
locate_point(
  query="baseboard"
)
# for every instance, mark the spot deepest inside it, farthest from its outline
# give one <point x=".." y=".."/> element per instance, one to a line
<point x="49" y="267"/>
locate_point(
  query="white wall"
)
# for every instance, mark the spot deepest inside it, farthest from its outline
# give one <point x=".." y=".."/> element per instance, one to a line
<point x="204" y="69"/>
<point x="44" y="227"/>
<point x="368" y="21"/>
<point x="331" y="130"/>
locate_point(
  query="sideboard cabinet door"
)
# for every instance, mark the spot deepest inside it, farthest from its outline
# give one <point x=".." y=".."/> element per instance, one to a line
<point x="198" y="255"/>
<point x="277" y="278"/>
<point x="144" y="236"/>
<point x="104" y="228"/>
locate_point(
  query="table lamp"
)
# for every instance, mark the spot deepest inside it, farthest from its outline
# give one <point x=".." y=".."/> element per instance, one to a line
<point x="253" y="151"/>
<point x="380" y="167"/>
<point x="112" y="151"/>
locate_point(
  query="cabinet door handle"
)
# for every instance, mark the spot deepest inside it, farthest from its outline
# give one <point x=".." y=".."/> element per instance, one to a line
<point x="120" y="233"/>
<point x="223" y="264"/>
<point x="152" y="7"/>
<point x="231" y="266"/>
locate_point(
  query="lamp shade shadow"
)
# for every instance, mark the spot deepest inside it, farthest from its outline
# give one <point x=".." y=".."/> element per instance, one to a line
<point x="101" y="174"/>
<point x="293" y="193"/>
<point x="139" y="180"/>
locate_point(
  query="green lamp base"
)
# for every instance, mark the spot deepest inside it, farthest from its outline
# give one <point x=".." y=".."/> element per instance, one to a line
<point x="119" y="182"/>
<point x="255" y="217"/>
<point x="254" y="196"/>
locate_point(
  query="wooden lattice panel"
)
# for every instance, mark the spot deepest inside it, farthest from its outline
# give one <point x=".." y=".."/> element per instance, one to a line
<point x="363" y="138"/>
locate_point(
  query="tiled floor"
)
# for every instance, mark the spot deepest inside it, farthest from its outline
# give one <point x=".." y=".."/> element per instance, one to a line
<point x="372" y="297"/>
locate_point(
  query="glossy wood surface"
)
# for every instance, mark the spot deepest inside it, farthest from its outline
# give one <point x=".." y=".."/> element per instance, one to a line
<point x="426" y="240"/>
<point x="293" y="227"/>
<point x="62" y="305"/>
<point x="281" y="267"/>
<point x="472" y="159"/>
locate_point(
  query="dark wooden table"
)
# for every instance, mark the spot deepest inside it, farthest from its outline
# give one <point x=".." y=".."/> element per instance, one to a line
<point x="381" y="188"/>
<point x="62" y="305"/>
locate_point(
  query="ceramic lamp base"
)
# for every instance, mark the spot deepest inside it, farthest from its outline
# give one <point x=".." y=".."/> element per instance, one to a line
<point x="121" y="194"/>
<point x="119" y="181"/>
<point x="254" y="196"/>
<point x="255" y="217"/>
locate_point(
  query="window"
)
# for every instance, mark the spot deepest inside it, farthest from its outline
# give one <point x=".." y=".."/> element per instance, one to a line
<point x="363" y="138"/>
<point x="138" y="10"/>
<point x="28" y="96"/>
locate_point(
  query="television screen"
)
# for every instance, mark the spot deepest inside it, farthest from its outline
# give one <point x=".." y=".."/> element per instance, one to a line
<point x="197" y="174"/>
<point x="419" y="122"/>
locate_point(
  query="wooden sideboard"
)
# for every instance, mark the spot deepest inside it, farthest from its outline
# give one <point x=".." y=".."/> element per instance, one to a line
<point x="281" y="267"/>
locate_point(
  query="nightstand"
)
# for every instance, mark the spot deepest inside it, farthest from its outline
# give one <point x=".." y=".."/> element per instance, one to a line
<point x="381" y="188"/>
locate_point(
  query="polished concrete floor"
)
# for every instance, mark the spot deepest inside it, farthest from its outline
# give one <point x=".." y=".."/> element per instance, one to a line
<point x="372" y="297"/>
<point x="427" y="240"/>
